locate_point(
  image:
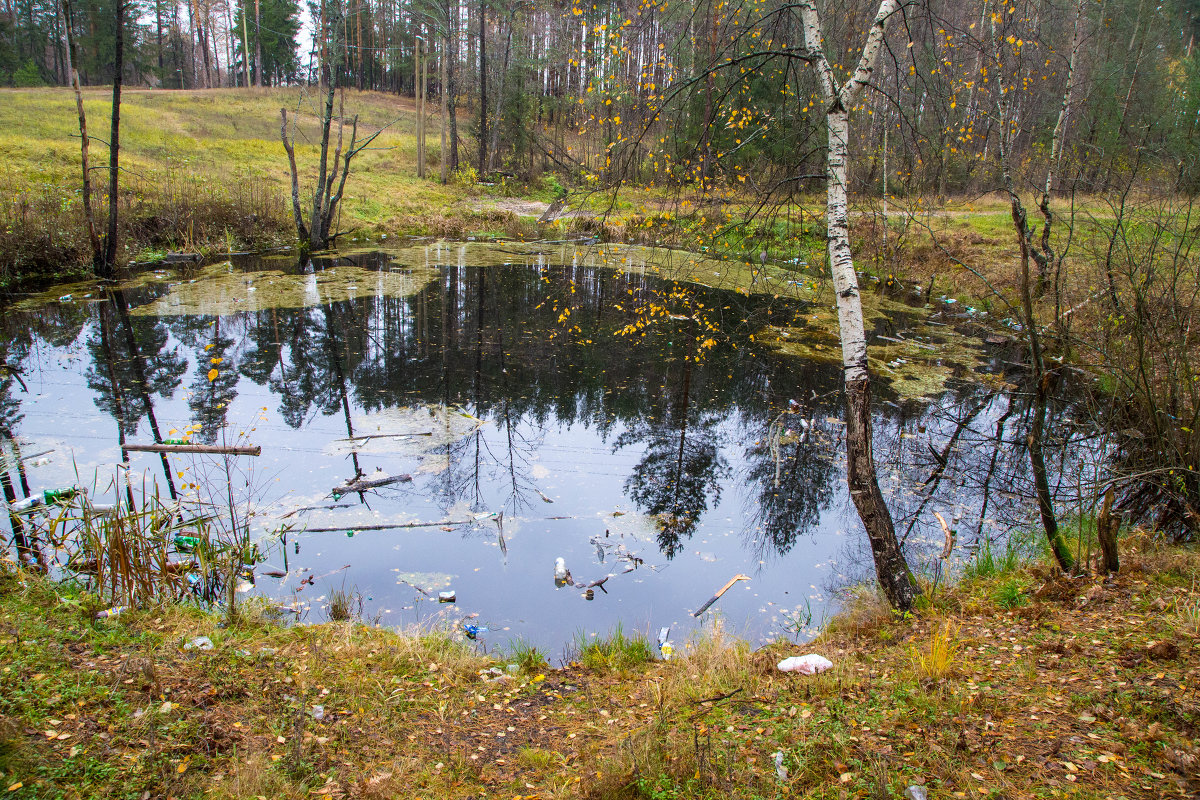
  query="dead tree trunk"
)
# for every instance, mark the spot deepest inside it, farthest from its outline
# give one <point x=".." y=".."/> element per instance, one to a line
<point x="1044" y="255"/>
<point x="1107" y="526"/>
<point x="445" y="110"/>
<point x="104" y="267"/>
<point x="258" y="69"/>
<point x="482" y="88"/>
<point x="495" y="145"/>
<point x="452" y="81"/>
<point x="72" y="60"/>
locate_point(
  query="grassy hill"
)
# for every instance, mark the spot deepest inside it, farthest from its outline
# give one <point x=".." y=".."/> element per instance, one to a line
<point x="206" y="170"/>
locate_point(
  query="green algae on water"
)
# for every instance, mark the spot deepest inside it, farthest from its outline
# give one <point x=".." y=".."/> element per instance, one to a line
<point x="221" y="289"/>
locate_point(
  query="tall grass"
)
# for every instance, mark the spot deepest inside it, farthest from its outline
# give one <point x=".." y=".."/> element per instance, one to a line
<point x="528" y="657"/>
<point x="991" y="560"/>
<point x="937" y="657"/>
<point x="345" y="604"/>
<point x="127" y="556"/>
<point x="43" y="231"/>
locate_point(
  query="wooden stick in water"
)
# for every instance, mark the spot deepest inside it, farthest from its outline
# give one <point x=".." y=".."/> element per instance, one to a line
<point x="720" y="592"/>
<point x="383" y="436"/>
<point x="363" y="484"/>
<point x="391" y="526"/>
<point x="949" y="546"/>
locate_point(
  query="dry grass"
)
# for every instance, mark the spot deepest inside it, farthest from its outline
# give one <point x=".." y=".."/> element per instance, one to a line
<point x="937" y="658"/>
<point x="863" y="615"/>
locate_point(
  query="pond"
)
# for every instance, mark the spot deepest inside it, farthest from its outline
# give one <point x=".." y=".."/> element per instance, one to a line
<point x="619" y="408"/>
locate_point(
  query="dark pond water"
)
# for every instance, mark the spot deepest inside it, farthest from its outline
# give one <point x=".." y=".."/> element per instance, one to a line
<point x="635" y="436"/>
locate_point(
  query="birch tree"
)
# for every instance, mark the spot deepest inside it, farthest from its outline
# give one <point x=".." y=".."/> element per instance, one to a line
<point x="890" y="565"/>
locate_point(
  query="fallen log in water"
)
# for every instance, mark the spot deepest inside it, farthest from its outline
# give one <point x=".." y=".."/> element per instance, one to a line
<point x="383" y="436"/>
<point x="720" y="592"/>
<point x="363" y="484"/>
<point x="211" y="449"/>
<point x="391" y="525"/>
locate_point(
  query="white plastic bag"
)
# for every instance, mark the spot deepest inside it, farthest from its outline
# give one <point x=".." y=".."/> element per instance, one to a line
<point x="809" y="664"/>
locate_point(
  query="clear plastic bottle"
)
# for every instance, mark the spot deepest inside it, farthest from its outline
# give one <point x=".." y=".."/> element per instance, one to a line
<point x="28" y="504"/>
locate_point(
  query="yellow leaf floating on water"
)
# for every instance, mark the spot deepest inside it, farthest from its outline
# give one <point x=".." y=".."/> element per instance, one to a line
<point x="212" y="374"/>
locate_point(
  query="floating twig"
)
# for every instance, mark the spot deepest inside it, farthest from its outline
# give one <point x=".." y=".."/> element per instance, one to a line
<point x="383" y="436"/>
<point x="363" y="484"/>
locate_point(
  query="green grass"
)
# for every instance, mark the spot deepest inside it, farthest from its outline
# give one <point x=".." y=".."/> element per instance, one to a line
<point x="528" y="657"/>
<point x="992" y="560"/>
<point x="1009" y="594"/>
<point x="203" y="170"/>
<point x="410" y="715"/>
<point x="615" y="651"/>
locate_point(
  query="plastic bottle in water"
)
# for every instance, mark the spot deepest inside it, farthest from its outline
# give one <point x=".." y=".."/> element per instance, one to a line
<point x="28" y="504"/>
<point x="60" y="495"/>
<point x="46" y="497"/>
<point x="187" y="543"/>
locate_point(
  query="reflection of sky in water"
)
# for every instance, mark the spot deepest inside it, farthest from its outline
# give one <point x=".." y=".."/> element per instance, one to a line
<point x="598" y="426"/>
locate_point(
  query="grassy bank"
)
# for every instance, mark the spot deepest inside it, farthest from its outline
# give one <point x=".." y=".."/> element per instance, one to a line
<point x="205" y="171"/>
<point x="1012" y="684"/>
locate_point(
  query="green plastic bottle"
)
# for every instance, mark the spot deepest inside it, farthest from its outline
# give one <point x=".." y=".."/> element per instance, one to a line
<point x="61" y="495"/>
<point x="187" y="544"/>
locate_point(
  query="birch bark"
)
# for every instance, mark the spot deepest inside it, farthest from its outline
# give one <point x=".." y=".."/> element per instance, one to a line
<point x="891" y="568"/>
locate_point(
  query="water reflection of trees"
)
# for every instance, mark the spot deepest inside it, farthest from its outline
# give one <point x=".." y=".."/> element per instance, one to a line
<point x="132" y="361"/>
<point x="794" y="484"/>
<point x="682" y="466"/>
<point x="493" y="341"/>
<point x="964" y="455"/>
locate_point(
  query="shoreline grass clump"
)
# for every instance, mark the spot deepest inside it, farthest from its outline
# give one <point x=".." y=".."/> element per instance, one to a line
<point x="613" y="651"/>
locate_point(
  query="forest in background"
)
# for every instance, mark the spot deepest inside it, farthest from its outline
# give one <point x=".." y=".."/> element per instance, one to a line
<point x="703" y="92"/>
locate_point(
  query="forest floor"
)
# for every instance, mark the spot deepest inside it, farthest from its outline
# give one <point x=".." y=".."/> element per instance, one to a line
<point x="1013" y="683"/>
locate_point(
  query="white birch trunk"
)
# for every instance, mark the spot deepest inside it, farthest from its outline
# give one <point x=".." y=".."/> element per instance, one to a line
<point x="1060" y="125"/>
<point x="841" y="260"/>
<point x="890" y="565"/>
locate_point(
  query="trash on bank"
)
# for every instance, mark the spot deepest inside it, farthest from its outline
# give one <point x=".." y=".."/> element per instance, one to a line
<point x="809" y="664"/>
<point x="199" y="643"/>
<point x="780" y="770"/>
